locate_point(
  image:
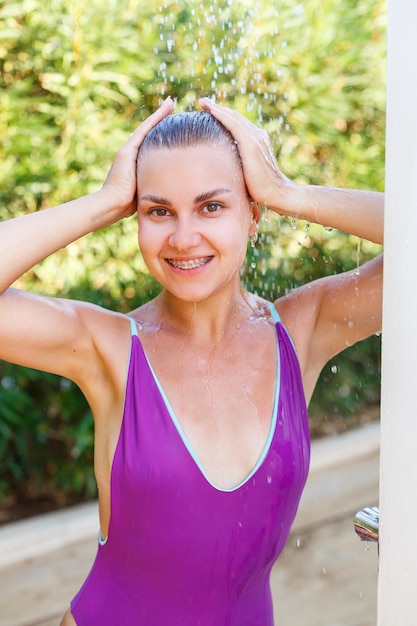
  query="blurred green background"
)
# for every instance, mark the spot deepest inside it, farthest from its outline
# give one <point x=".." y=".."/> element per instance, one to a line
<point x="76" y="78"/>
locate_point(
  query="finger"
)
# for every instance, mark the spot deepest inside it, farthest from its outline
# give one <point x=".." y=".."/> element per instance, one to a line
<point x="126" y="157"/>
<point x="247" y="134"/>
<point x="143" y="129"/>
<point x="225" y="114"/>
<point x="239" y="126"/>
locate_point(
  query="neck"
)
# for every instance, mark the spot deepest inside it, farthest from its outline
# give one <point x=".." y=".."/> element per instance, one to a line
<point x="209" y="320"/>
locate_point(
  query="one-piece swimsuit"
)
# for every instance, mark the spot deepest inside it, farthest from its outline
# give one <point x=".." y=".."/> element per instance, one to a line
<point x="181" y="551"/>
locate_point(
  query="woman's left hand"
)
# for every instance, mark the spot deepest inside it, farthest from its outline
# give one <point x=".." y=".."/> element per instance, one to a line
<point x="353" y="211"/>
<point x="265" y="182"/>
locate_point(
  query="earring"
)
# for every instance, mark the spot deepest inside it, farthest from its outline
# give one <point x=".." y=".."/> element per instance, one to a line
<point x="253" y="239"/>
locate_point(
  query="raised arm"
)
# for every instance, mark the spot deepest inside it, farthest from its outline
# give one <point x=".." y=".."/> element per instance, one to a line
<point x="356" y="212"/>
<point x="26" y="240"/>
<point x="330" y="314"/>
<point x="53" y="334"/>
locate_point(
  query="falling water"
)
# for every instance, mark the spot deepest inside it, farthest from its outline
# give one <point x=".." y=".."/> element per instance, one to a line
<point x="235" y="48"/>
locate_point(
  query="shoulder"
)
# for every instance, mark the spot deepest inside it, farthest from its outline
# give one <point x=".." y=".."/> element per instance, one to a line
<point x="299" y="311"/>
<point x="102" y="358"/>
<point x="100" y="328"/>
<point x="328" y="315"/>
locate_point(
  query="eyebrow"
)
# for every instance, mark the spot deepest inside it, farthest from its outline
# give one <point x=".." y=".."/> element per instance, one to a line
<point x="202" y="197"/>
<point x="206" y="195"/>
<point x="155" y="199"/>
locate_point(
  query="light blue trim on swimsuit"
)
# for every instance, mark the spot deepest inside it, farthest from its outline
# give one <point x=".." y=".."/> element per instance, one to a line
<point x="188" y="444"/>
<point x="133" y="327"/>
<point x="276" y="318"/>
<point x="102" y="541"/>
<point x="274" y="312"/>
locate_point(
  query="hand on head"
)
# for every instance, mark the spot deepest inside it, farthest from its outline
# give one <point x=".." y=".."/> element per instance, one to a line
<point x="264" y="180"/>
<point x="262" y="175"/>
<point x="121" y="179"/>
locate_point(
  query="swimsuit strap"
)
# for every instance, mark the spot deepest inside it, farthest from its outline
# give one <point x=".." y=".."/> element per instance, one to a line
<point x="277" y="319"/>
<point x="274" y="313"/>
<point x="133" y="327"/>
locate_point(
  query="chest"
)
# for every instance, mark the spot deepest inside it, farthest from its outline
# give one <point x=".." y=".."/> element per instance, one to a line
<point x="221" y="397"/>
<point x="159" y="449"/>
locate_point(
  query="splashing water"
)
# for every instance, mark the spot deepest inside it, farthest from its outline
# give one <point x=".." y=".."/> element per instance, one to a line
<point x="240" y="49"/>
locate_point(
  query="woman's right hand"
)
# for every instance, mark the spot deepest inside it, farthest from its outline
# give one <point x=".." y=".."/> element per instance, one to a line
<point x="55" y="335"/>
<point x="28" y="239"/>
<point x="120" y="183"/>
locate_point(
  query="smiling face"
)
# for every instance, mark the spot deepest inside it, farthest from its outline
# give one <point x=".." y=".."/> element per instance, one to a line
<point x="195" y="218"/>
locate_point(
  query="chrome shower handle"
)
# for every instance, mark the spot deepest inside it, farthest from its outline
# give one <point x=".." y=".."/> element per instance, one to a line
<point x="366" y="523"/>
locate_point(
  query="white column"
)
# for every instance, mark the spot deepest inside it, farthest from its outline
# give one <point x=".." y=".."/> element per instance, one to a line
<point x="397" y="588"/>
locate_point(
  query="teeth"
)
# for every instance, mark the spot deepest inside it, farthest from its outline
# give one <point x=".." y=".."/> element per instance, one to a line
<point x="189" y="265"/>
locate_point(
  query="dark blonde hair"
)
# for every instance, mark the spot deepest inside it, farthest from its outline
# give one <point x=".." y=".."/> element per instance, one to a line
<point x="186" y="129"/>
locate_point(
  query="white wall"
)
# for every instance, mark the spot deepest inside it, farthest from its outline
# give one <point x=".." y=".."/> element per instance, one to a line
<point x="397" y="591"/>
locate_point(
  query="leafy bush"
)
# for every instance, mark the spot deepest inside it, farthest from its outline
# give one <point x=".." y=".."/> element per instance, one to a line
<point x="75" y="79"/>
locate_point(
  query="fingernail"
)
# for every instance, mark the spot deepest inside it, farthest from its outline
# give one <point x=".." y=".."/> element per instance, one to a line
<point x="207" y="102"/>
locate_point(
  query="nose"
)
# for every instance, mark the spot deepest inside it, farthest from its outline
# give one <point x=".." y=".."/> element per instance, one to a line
<point x="185" y="236"/>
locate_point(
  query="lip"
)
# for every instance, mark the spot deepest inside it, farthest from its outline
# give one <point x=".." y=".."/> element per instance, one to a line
<point x="189" y="265"/>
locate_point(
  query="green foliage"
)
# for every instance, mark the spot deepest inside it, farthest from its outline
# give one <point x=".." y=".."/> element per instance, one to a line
<point x="40" y="443"/>
<point x="76" y="77"/>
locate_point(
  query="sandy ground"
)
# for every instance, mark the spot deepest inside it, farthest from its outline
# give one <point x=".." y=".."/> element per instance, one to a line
<point x="325" y="577"/>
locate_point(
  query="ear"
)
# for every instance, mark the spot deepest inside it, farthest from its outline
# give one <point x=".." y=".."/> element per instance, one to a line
<point x="255" y="217"/>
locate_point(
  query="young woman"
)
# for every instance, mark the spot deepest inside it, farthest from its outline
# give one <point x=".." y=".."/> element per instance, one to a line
<point x="199" y="396"/>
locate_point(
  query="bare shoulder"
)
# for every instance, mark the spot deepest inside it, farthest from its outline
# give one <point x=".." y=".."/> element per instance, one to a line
<point x="108" y="333"/>
<point x="328" y="315"/>
<point x="299" y="311"/>
<point x="77" y="340"/>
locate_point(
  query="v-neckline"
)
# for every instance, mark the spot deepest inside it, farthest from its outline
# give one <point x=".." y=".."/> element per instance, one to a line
<point x="187" y="442"/>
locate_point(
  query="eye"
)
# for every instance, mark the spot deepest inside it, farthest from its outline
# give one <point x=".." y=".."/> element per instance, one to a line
<point x="159" y="212"/>
<point x="212" y="207"/>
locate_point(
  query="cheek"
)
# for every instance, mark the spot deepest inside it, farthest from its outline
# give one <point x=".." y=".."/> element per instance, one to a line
<point x="148" y="239"/>
<point x="234" y="241"/>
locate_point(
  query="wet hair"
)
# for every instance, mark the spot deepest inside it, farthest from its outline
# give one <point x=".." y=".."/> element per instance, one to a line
<point x="187" y="129"/>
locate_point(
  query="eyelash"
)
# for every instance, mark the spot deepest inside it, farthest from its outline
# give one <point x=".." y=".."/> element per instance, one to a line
<point x="155" y="211"/>
<point x="217" y="205"/>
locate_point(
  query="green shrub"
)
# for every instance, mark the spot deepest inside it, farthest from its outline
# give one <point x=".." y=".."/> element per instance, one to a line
<point x="75" y="79"/>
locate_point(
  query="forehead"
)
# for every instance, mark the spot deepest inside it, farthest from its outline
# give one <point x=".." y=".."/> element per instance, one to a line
<point x="214" y="164"/>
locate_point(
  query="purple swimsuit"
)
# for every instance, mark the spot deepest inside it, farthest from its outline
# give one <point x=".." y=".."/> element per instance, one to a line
<point x="180" y="551"/>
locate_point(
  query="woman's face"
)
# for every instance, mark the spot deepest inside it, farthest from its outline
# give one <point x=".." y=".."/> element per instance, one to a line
<point x="195" y="218"/>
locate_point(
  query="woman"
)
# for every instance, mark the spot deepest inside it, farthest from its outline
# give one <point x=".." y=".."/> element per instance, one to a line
<point x="199" y="396"/>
